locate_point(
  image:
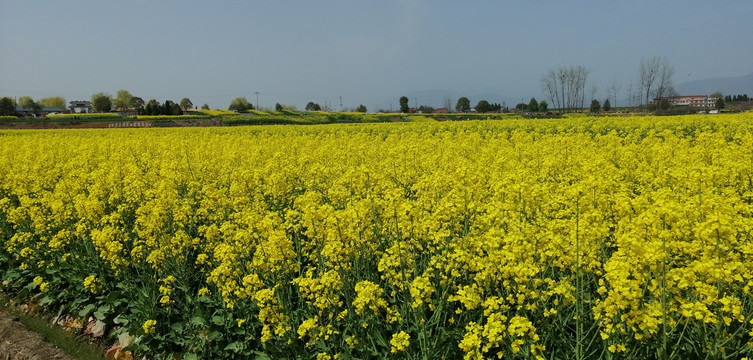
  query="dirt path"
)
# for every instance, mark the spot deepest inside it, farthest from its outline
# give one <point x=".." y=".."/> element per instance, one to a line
<point x="19" y="343"/>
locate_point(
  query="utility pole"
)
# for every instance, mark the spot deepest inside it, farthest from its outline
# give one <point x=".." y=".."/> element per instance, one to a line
<point x="257" y="100"/>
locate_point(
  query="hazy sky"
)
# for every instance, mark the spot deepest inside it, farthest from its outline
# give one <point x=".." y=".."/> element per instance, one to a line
<point x="366" y="52"/>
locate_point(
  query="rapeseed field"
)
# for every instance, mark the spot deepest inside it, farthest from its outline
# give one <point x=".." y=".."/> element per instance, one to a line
<point x="582" y="238"/>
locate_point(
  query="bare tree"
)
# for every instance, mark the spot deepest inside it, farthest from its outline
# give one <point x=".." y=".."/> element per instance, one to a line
<point x="655" y="71"/>
<point x="565" y="86"/>
<point x="613" y="90"/>
<point x="665" y="86"/>
<point x="594" y="90"/>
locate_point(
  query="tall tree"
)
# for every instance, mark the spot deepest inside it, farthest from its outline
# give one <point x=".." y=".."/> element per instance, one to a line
<point x="655" y="77"/>
<point x="101" y="102"/>
<point x="171" y="108"/>
<point x="26" y="102"/>
<point x="595" y="106"/>
<point x="312" y="106"/>
<point x="607" y="106"/>
<point x="719" y="103"/>
<point x="404" y="104"/>
<point x="533" y="105"/>
<point x="463" y="105"/>
<point x="240" y="104"/>
<point x="483" y="106"/>
<point x="185" y="104"/>
<point x="55" y="101"/>
<point x="543" y="106"/>
<point x="29" y="103"/>
<point x="565" y="86"/>
<point x="361" y="108"/>
<point x="137" y="104"/>
<point x="122" y="100"/>
<point x="613" y="90"/>
<point x="152" y="107"/>
<point x="7" y="108"/>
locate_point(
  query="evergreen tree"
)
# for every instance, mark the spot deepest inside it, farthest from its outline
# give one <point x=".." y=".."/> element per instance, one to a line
<point x="543" y="106"/>
<point x="719" y="104"/>
<point x="7" y="108"/>
<point x="533" y="105"/>
<point x="595" y="106"/>
<point x="404" y="104"/>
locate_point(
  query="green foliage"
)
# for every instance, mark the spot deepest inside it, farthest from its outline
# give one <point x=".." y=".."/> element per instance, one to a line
<point x="595" y="106"/>
<point x="240" y="104"/>
<point x="25" y="102"/>
<point x="123" y="100"/>
<point x="664" y="104"/>
<point x="101" y="102"/>
<point x="607" y="106"/>
<point x="361" y="108"/>
<point x="152" y="107"/>
<point x="543" y="106"/>
<point x="719" y="103"/>
<point x="171" y="108"/>
<point x="463" y="105"/>
<point x="404" y="104"/>
<point x="185" y="104"/>
<point x="137" y="103"/>
<point x="483" y="106"/>
<point x="55" y="101"/>
<point x="7" y="107"/>
<point x="312" y="106"/>
<point x="533" y="105"/>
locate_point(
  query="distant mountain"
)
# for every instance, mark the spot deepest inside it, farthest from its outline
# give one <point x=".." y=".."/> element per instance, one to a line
<point x="438" y="99"/>
<point x="725" y="85"/>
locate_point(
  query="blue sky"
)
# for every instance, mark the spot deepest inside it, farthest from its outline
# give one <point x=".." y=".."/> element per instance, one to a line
<point x="367" y="52"/>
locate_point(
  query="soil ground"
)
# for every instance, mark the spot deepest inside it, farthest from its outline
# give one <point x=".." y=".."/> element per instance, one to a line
<point x="19" y="343"/>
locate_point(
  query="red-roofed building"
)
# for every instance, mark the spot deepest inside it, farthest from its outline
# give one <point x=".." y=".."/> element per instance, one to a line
<point x="689" y="100"/>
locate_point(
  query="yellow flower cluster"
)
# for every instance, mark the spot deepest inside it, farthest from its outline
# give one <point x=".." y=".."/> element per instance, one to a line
<point x="149" y="326"/>
<point x="522" y="237"/>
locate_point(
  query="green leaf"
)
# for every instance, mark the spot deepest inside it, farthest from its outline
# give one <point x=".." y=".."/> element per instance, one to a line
<point x="234" y="346"/>
<point x="177" y="327"/>
<point x="120" y="320"/>
<point x="46" y="300"/>
<point x="218" y="320"/>
<point x="102" y="312"/>
<point x="261" y="356"/>
<point x="198" y="321"/>
<point x="191" y="356"/>
<point x="86" y="310"/>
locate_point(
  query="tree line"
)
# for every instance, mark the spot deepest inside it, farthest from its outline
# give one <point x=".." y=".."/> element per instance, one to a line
<point x="738" y="97"/>
<point x="125" y="102"/>
<point x="565" y="86"/>
<point x="8" y="105"/>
